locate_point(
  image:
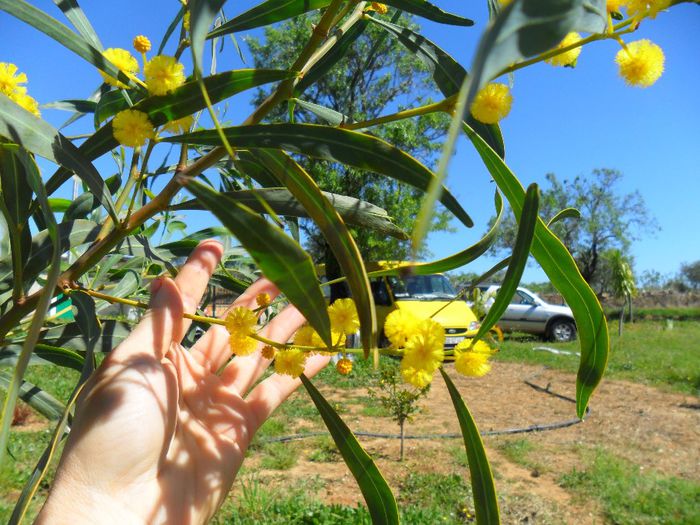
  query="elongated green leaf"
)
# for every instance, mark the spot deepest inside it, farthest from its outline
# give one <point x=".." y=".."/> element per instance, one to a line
<point x="185" y="100"/>
<point x="378" y="496"/>
<point x="273" y="11"/>
<point x="86" y="319"/>
<point x="171" y="29"/>
<point x="73" y="12"/>
<point x="109" y="105"/>
<point x="334" y="144"/>
<point x="34" y="180"/>
<point x="447" y="73"/>
<point x="327" y="219"/>
<point x="518" y="260"/>
<point x="202" y="14"/>
<point x="43" y="355"/>
<point x="352" y="211"/>
<point x="41" y="138"/>
<point x="286" y="264"/>
<point x="485" y="498"/>
<point x="334" y="118"/>
<point x="40" y="400"/>
<point x="59" y="205"/>
<point x="63" y="35"/>
<point x="525" y="28"/>
<point x="81" y="106"/>
<point x="561" y="269"/>
<point x="566" y="213"/>
<point x="454" y="261"/>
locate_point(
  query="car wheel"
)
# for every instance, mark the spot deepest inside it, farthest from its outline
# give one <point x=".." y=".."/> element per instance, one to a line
<point x="562" y="330"/>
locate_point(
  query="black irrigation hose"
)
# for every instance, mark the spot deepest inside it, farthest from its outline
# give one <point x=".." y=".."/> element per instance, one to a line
<point x="518" y="430"/>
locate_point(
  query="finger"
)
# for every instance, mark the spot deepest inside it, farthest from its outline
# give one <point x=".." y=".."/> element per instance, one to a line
<point x="193" y="278"/>
<point x="244" y="371"/>
<point x="268" y="395"/>
<point x="154" y="334"/>
<point x="212" y="349"/>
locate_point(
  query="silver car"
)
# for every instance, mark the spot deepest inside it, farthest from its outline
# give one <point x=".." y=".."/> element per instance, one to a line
<point x="528" y="313"/>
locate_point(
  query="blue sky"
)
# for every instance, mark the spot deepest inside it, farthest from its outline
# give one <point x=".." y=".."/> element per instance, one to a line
<point x="566" y="121"/>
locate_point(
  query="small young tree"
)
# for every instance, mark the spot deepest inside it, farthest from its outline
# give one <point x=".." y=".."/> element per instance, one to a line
<point x="623" y="284"/>
<point x="399" y="399"/>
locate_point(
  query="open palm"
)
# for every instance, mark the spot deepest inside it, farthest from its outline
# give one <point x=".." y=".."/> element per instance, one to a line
<point x="159" y="436"/>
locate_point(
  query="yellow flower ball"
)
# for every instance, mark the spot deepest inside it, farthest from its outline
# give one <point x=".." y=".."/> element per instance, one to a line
<point x="263" y="300"/>
<point x="425" y="350"/>
<point x="26" y="102"/>
<point x="641" y="64"/>
<point x="268" y="352"/>
<point x="344" y="366"/>
<point x="399" y="326"/>
<point x="472" y="361"/>
<point x="122" y="60"/>
<point x="615" y="6"/>
<point x="569" y="57"/>
<point x="304" y="336"/>
<point x="338" y="339"/>
<point x="290" y="362"/>
<point x="132" y="128"/>
<point x="379" y="8"/>
<point x="163" y="74"/>
<point x="241" y="344"/>
<point x="142" y="44"/>
<point x="10" y="81"/>
<point x="414" y="375"/>
<point x="241" y="321"/>
<point x="343" y="316"/>
<point x="179" y="126"/>
<point x="645" y="8"/>
<point x="492" y="103"/>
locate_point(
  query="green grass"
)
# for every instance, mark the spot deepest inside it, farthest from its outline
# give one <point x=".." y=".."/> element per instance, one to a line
<point x="324" y="451"/>
<point x="279" y="456"/>
<point x="630" y="495"/>
<point x="648" y="352"/>
<point x="681" y="314"/>
<point x="520" y="451"/>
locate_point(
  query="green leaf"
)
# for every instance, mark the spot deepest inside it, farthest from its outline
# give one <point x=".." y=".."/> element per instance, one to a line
<point x="334" y="118"/>
<point x="566" y="213"/>
<point x="378" y="496"/>
<point x="109" y="105"/>
<point x="171" y="29"/>
<point x="286" y="264"/>
<point x="59" y="205"/>
<point x="43" y="355"/>
<point x="86" y="319"/>
<point x="339" y="145"/>
<point x="184" y="101"/>
<point x="202" y="14"/>
<point x="485" y="498"/>
<point x="34" y="180"/>
<point x="521" y="251"/>
<point x="63" y="35"/>
<point x="41" y="138"/>
<point x="447" y="73"/>
<point x="273" y="11"/>
<point x="456" y="260"/>
<point x="352" y="211"/>
<point x="327" y="219"/>
<point x="561" y="269"/>
<point x="80" y="106"/>
<point x="73" y="12"/>
<point x="40" y="400"/>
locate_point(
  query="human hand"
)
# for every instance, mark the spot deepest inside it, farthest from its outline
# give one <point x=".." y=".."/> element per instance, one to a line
<point x="158" y="436"/>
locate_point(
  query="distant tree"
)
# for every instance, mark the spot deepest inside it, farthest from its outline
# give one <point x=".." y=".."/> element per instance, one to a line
<point x="652" y="280"/>
<point x="609" y="220"/>
<point x="370" y="80"/>
<point x="690" y="274"/>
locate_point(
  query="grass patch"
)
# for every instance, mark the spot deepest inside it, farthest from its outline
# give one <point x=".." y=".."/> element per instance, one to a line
<point x="679" y="314"/>
<point x="629" y="495"/>
<point x="519" y="451"/>
<point x="324" y="451"/>
<point x="279" y="456"/>
<point x="647" y="352"/>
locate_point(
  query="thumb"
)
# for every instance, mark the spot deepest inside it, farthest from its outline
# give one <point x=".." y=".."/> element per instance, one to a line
<point x="154" y="334"/>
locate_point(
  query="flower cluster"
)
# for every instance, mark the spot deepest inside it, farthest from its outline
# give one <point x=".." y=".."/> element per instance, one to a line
<point x="423" y="343"/>
<point x="640" y="63"/>
<point x="11" y="86"/>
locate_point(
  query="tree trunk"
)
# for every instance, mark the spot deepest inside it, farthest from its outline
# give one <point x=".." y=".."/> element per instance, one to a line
<point x="401" y="431"/>
<point x="620" y="320"/>
<point x="629" y="309"/>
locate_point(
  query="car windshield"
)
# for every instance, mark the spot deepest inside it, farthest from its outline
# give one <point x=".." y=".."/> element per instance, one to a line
<point x="422" y="287"/>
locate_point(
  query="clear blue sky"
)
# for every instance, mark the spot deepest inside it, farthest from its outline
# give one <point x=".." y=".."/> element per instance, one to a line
<point x="563" y="121"/>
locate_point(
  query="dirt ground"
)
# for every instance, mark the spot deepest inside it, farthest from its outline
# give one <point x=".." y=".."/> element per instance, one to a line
<point x="656" y="430"/>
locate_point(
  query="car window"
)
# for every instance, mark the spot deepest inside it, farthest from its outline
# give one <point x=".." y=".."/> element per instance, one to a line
<point x="379" y="291"/>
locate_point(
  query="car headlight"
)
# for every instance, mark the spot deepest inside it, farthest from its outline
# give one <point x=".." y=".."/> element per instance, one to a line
<point x="474" y="325"/>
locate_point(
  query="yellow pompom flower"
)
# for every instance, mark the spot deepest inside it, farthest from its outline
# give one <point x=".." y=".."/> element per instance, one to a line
<point x="132" y="128"/>
<point x="122" y="60"/>
<point x="472" y="361"/>
<point x="614" y="6"/>
<point x="26" y="102"/>
<point x="379" y="8"/>
<point x="163" y="74"/>
<point x="241" y="321"/>
<point x="416" y="376"/>
<point x="304" y="336"/>
<point x="343" y="315"/>
<point x="263" y="300"/>
<point x="338" y="339"/>
<point x="344" y="366"/>
<point x="179" y="126"/>
<point x="142" y="44"/>
<point x="10" y="81"/>
<point x="425" y="349"/>
<point x="268" y="352"/>
<point x="399" y="326"/>
<point x="646" y="8"/>
<point x="492" y="103"/>
<point x="641" y="63"/>
<point x="569" y="57"/>
<point x="290" y="362"/>
<point x="241" y="344"/>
